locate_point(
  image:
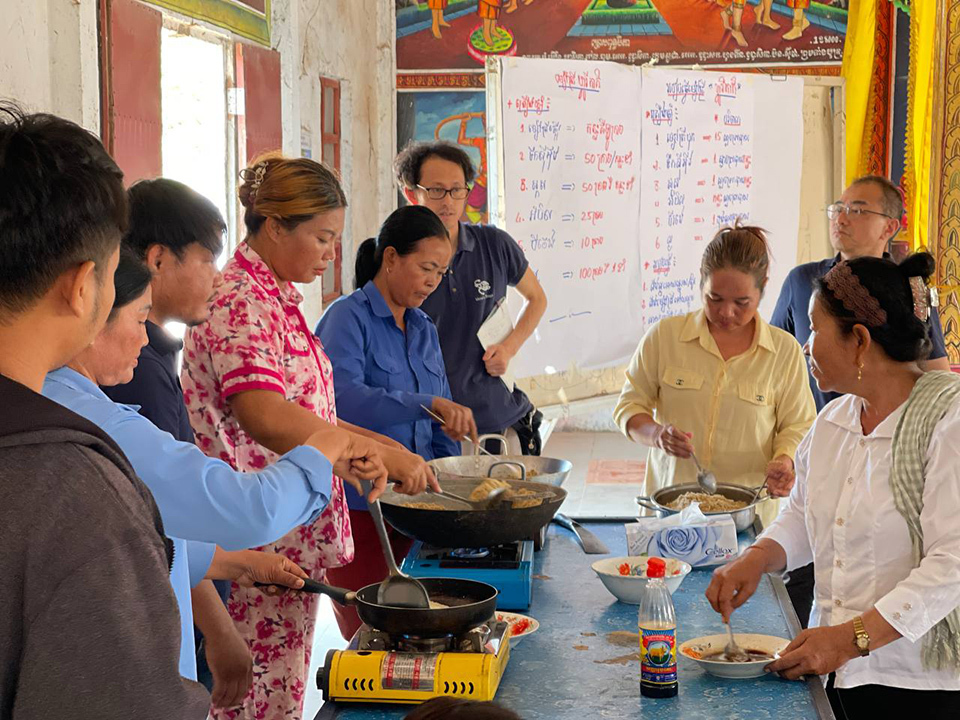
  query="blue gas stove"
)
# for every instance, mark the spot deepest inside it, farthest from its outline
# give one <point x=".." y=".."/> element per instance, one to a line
<point x="508" y="567"/>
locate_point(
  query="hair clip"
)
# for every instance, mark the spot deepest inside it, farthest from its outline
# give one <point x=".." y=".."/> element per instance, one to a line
<point x="922" y="298"/>
<point x="848" y="289"/>
<point x="255" y="176"/>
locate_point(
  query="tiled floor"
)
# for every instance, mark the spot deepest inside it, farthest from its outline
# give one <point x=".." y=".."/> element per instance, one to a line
<point x="597" y="499"/>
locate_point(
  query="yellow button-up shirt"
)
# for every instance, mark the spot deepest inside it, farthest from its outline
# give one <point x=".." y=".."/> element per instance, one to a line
<point x="743" y="412"/>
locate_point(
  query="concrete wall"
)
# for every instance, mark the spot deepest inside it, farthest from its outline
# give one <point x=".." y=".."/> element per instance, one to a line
<point x="352" y="41"/>
<point x="49" y="57"/>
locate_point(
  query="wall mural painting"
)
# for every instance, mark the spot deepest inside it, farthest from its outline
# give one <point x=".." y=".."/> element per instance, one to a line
<point x="457" y="116"/>
<point x="461" y="34"/>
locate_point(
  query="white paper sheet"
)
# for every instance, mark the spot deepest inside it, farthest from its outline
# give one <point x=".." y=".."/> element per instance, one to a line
<point x="496" y="329"/>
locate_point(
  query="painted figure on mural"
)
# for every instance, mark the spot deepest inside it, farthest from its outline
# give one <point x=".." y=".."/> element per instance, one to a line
<point x="800" y="22"/>
<point x="436" y="9"/>
<point x="765" y="15"/>
<point x="512" y="6"/>
<point x="732" y="16"/>
<point x="489" y="12"/>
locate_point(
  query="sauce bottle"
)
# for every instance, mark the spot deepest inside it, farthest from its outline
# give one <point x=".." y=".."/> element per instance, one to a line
<point x="657" y="626"/>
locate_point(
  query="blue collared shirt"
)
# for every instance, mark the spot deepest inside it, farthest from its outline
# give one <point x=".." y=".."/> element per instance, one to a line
<point x="191" y="560"/>
<point x="487" y="261"/>
<point x="383" y="375"/>
<point x="793" y="315"/>
<point x="201" y="499"/>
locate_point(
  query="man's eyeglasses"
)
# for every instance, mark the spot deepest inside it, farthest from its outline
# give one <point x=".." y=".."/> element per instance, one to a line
<point x="834" y="211"/>
<point x="439" y="193"/>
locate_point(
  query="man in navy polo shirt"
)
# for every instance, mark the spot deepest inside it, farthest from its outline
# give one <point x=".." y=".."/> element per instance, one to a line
<point x="485" y="262"/>
<point x="179" y="234"/>
<point x="862" y="224"/>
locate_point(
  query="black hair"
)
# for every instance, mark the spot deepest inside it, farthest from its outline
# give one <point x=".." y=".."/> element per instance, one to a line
<point x="62" y="203"/>
<point x="891" y="199"/>
<point x="402" y="230"/>
<point x="169" y="213"/>
<point x="131" y="280"/>
<point x="455" y="708"/>
<point x="409" y="162"/>
<point x="903" y="337"/>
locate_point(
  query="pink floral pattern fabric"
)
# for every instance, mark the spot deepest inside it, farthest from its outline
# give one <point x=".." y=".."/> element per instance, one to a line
<point x="257" y="339"/>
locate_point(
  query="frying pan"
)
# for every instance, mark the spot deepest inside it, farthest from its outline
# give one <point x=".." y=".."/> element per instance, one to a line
<point x="470" y="604"/>
<point x="456" y="527"/>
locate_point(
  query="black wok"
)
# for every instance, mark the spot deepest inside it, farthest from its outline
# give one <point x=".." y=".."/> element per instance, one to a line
<point x="456" y="527"/>
<point x="470" y="604"/>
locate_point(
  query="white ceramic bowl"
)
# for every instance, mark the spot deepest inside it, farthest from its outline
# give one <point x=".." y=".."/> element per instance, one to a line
<point x="698" y="647"/>
<point x="629" y="588"/>
<point x="518" y="628"/>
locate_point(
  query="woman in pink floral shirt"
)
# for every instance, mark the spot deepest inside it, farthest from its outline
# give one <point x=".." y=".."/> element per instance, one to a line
<point x="256" y="383"/>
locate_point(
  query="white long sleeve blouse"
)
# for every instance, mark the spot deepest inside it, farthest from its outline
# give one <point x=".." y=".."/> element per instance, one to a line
<point x="841" y="516"/>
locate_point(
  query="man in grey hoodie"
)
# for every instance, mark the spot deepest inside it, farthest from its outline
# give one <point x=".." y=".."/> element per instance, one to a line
<point x="89" y="628"/>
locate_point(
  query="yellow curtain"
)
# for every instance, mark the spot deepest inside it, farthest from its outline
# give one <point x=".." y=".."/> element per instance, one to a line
<point x="916" y="176"/>
<point x="859" y="50"/>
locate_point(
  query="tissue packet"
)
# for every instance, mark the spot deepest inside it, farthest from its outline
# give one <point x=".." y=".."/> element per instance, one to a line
<point x="689" y="536"/>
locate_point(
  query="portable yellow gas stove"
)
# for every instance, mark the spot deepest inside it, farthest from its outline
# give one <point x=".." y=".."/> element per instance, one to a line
<point x="388" y="669"/>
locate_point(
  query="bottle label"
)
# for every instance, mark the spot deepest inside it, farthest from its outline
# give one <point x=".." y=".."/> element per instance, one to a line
<point x="658" y="656"/>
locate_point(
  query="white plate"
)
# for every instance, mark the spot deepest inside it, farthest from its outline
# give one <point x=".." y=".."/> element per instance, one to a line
<point x="708" y="644"/>
<point x="512" y="619"/>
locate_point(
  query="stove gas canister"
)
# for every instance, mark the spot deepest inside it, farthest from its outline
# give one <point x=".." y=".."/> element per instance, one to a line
<point x="409" y="671"/>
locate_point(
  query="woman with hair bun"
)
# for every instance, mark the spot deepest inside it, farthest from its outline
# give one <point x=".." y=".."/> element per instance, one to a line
<point x="257" y="383"/>
<point x="720" y="382"/>
<point x="875" y="504"/>
<point x="387" y="367"/>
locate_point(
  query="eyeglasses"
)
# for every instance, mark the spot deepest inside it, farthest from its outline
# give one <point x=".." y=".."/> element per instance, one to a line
<point x="834" y="210"/>
<point x="439" y="193"/>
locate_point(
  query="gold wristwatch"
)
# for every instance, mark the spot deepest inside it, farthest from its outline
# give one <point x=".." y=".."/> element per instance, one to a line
<point x="861" y="639"/>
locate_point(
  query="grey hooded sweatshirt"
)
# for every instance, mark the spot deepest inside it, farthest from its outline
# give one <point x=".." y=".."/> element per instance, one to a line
<point x="89" y="628"/>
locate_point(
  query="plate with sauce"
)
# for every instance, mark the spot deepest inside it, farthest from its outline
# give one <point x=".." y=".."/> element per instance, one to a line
<point x="708" y="653"/>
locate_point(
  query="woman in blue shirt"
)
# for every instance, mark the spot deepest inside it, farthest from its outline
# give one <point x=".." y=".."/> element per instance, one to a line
<point x="387" y="367"/>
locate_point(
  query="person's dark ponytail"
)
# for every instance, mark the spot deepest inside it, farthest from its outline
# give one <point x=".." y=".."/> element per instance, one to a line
<point x="367" y="264"/>
<point x="402" y="230"/>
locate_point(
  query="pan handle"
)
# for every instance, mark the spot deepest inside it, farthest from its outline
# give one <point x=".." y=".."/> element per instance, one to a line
<point x="504" y="445"/>
<point x="647" y="503"/>
<point x="523" y="469"/>
<point x="341" y="596"/>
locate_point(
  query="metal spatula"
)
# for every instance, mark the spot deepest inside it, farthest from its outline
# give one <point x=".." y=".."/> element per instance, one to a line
<point x="398" y="589"/>
<point x="591" y="544"/>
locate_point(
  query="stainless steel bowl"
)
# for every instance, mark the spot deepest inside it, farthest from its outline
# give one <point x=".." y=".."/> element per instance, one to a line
<point x="535" y="468"/>
<point x="742" y="518"/>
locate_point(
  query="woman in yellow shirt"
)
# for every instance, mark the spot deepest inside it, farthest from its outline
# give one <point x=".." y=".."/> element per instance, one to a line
<point x="720" y="381"/>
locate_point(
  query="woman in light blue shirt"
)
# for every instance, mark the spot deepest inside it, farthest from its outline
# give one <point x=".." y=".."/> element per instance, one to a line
<point x="387" y="367"/>
<point x="203" y="501"/>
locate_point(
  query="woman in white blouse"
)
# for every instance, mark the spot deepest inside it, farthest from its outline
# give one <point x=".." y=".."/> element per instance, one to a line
<point x="884" y="536"/>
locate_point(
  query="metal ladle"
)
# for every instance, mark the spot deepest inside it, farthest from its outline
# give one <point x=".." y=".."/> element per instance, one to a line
<point x="397" y="589"/>
<point x="706" y="480"/>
